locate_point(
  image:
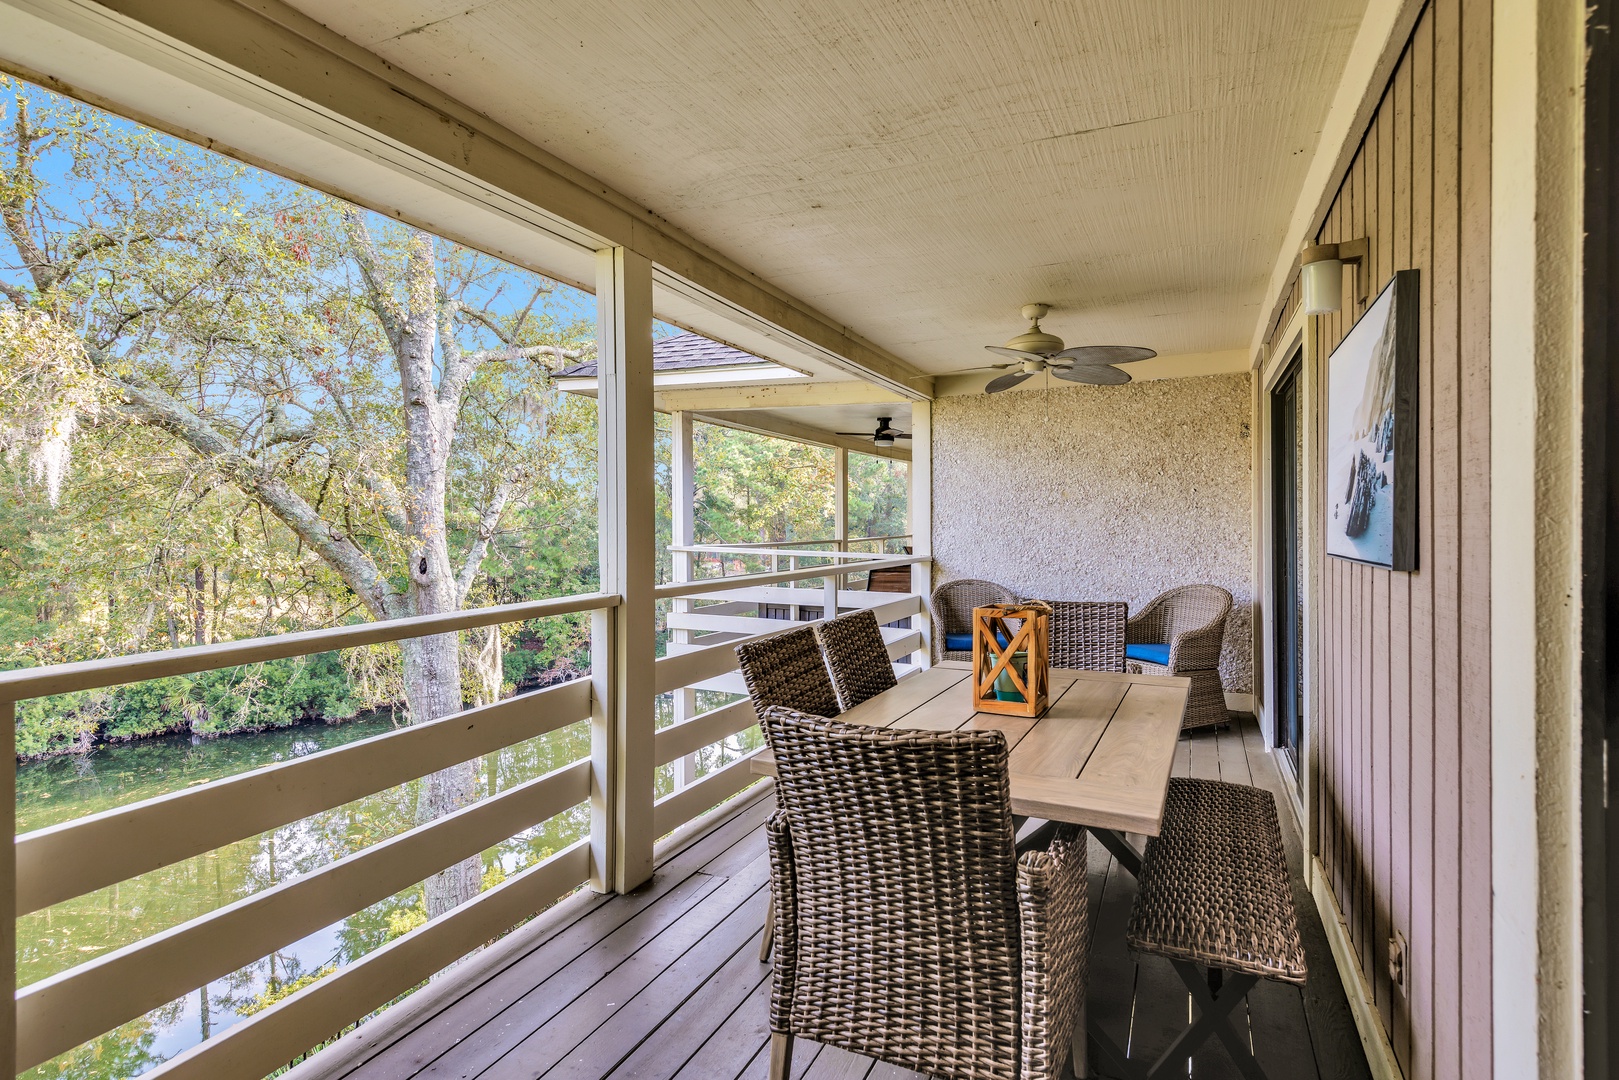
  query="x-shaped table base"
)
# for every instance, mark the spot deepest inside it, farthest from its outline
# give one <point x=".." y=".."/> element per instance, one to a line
<point x="1214" y="1009"/>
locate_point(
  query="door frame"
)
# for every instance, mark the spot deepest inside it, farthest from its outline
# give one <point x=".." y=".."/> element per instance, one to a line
<point x="1289" y="373"/>
<point x="1298" y="339"/>
<point x="1599" y="631"/>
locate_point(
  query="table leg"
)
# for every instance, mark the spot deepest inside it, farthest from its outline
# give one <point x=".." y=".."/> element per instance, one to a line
<point x="1120" y="849"/>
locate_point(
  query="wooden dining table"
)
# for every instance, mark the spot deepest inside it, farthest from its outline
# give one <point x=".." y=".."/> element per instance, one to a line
<point x="1099" y="756"/>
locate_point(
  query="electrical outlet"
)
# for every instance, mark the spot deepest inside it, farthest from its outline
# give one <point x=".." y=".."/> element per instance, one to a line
<point x="1397" y="960"/>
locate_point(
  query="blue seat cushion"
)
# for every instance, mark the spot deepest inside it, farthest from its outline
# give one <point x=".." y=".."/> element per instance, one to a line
<point x="964" y="642"/>
<point x="1152" y="654"/>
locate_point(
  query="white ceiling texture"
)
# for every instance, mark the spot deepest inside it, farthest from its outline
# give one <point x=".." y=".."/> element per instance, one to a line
<point x="918" y="169"/>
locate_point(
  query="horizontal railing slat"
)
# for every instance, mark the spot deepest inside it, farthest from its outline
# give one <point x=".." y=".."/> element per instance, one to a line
<point x="775" y="550"/>
<point x="76" y="857"/>
<point x="904" y="645"/>
<point x="901" y="607"/>
<point x="684" y="669"/>
<point x="59" y="1013"/>
<point x="703" y="622"/>
<point x="681" y="739"/>
<point x="256" y="1047"/>
<point x="699" y="548"/>
<point x="812" y="595"/>
<point x="721" y="584"/>
<point x="673" y="811"/>
<point x="27" y="683"/>
<point x="699" y="665"/>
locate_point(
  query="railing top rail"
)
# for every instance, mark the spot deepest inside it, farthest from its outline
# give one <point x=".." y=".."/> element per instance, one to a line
<point x="27" y="683"/>
<point x="721" y="549"/>
<point x="743" y="581"/>
<point x="790" y="543"/>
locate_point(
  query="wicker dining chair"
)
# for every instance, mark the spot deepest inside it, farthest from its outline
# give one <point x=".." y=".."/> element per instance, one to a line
<point x="951" y="610"/>
<point x="857" y="656"/>
<point x="788" y="669"/>
<point x="1088" y="635"/>
<point x="908" y="929"/>
<point x="1179" y="633"/>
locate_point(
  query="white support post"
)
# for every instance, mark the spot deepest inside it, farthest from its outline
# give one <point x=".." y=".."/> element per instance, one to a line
<point x="682" y="527"/>
<point x="624" y="645"/>
<point x="920" y="514"/>
<point x="840" y="506"/>
<point x="8" y="888"/>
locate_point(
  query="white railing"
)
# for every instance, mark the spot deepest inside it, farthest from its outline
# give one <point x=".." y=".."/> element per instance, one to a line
<point x="72" y="859"/>
<point x="708" y="662"/>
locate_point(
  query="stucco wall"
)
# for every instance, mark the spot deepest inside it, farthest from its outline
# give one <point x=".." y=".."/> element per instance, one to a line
<point x="1101" y="493"/>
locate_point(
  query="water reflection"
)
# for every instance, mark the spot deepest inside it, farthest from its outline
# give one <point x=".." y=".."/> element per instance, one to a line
<point x="67" y="934"/>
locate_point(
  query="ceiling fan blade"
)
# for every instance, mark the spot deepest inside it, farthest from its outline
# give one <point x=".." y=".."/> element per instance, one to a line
<point x="1006" y="382"/>
<point x="900" y="434"/>
<point x="856" y="434"/>
<point x="1092" y="374"/>
<point x="1105" y="354"/>
<point x="1016" y="354"/>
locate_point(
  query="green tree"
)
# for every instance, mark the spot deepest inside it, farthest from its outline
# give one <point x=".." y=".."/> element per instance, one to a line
<point x="378" y="397"/>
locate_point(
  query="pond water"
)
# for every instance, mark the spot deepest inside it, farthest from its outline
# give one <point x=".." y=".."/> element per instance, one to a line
<point x="62" y="936"/>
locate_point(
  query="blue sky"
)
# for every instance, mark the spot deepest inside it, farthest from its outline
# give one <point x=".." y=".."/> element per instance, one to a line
<point x="63" y="189"/>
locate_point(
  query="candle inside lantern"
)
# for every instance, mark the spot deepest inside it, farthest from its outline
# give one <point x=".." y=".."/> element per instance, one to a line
<point x="1005" y="688"/>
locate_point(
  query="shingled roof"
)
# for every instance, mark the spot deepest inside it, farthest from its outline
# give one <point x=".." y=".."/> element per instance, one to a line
<point x="681" y="352"/>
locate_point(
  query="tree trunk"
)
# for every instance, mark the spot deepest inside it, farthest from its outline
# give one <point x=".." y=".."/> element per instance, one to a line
<point x="433" y="689"/>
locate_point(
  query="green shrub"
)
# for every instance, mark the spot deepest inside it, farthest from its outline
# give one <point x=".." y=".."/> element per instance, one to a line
<point x="274" y="694"/>
<point x="60" y="724"/>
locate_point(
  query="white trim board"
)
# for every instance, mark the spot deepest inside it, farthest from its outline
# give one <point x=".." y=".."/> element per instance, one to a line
<point x="1368" y="1023"/>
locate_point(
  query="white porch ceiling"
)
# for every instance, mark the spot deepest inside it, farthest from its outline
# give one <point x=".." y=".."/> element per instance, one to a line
<point x="917" y="170"/>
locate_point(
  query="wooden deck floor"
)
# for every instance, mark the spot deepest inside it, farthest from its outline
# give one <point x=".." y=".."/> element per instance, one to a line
<point x="666" y="983"/>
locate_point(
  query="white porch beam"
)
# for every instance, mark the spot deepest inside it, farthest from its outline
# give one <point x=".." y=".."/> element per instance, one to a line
<point x="682" y="528"/>
<point x="623" y="646"/>
<point x="8" y="888"/>
<point x="781" y="428"/>
<point x="268" y="84"/>
<point x="840" y="506"/>
<point x="1535" y="718"/>
<point x="921" y="520"/>
<point x="709" y="399"/>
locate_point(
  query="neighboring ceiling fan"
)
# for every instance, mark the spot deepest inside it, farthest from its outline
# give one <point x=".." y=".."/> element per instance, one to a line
<point x="1034" y="351"/>
<point x="883" y="436"/>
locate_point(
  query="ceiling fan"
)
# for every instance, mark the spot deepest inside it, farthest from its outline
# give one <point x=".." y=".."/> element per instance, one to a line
<point x="883" y="436"/>
<point x="1034" y="351"/>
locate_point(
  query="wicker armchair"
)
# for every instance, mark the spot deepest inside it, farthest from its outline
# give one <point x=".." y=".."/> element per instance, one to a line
<point x="787" y="669"/>
<point x="1190" y="620"/>
<point x="858" y="656"/>
<point x="1088" y="635"/>
<point x="907" y="927"/>
<point x="951" y="610"/>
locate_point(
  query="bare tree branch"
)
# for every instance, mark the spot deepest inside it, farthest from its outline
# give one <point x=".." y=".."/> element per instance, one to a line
<point x="151" y="405"/>
<point x="371" y="270"/>
<point x="488" y="522"/>
<point x="18" y="183"/>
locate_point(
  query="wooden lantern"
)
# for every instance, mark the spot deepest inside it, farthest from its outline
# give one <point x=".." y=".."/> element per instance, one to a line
<point x="1014" y="678"/>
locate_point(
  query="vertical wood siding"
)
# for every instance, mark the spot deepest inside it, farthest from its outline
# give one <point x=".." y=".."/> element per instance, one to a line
<point x="1403" y="721"/>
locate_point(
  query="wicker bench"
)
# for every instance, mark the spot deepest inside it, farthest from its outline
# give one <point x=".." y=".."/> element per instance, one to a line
<point x="1214" y="891"/>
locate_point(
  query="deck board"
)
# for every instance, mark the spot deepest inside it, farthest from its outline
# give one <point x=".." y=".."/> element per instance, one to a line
<point x="665" y="984"/>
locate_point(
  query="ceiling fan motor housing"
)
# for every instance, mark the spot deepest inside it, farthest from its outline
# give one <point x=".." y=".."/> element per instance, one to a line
<point x="1036" y="340"/>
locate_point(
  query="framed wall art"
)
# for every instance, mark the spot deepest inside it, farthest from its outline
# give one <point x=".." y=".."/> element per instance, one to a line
<point x="1371" y="417"/>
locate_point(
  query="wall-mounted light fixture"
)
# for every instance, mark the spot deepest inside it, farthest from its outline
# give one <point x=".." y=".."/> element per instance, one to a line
<point x="1321" y="274"/>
